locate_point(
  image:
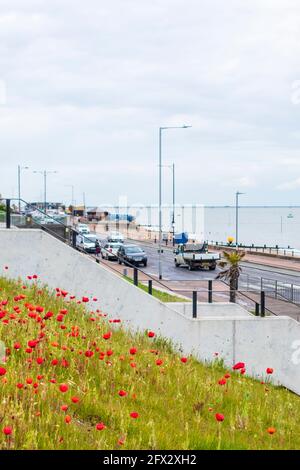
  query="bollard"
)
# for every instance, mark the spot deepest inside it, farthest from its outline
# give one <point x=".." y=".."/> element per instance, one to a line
<point x="256" y="309"/>
<point x="74" y="236"/>
<point x="150" y="287"/>
<point x="262" y="304"/>
<point x="8" y="216"/>
<point x="210" y="292"/>
<point x="195" y="304"/>
<point x="135" y="276"/>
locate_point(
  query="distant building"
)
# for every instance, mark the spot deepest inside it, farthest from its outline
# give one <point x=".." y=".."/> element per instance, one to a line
<point x="96" y="213"/>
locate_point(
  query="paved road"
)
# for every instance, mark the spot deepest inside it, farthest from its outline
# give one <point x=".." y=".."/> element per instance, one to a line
<point x="250" y="280"/>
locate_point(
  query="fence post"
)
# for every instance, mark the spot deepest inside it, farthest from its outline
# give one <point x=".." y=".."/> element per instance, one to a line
<point x="135" y="276"/>
<point x="210" y="292"/>
<point x="150" y="287"/>
<point x="262" y="304"/>
<point x="256" y="309"/>
<point x="195" y="304"/>
<point x="8" y="215"/>
<point x="276" y="287"/>
<point x="292" y="292"/>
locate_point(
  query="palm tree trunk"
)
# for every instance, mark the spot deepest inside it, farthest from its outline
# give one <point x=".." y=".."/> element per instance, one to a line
<point x="232" y="286"/>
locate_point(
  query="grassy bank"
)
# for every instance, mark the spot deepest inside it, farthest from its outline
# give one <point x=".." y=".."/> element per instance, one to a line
<point x="158" y="294"/>
<point x="74" y="380"/>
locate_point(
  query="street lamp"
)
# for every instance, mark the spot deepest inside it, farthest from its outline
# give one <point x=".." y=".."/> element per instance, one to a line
<point x="160" y="193"/>
<point x="237" y="194"/>
<point x="45" y="173"/>
<point x="20" y="168"/>
<point x="172" y="167"/>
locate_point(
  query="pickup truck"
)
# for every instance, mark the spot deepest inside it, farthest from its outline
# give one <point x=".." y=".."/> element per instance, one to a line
<point x="195" y="256"/>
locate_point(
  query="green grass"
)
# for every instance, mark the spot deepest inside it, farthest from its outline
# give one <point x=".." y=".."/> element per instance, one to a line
<point x="158" y="294"/>
<point x="176" y="401"/>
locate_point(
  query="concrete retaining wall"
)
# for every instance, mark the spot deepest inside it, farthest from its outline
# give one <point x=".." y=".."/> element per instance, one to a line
<point x="259" y="342"/>
<point x="204" y="309"/>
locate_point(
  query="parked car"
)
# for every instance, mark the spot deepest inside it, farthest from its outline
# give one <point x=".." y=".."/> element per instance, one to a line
<point x="132" y="254"/>
<point x="87" y="242"/>
<point x="110" y="251"/>
<point x="83" y="228"/>
<point x="115" y="237"/>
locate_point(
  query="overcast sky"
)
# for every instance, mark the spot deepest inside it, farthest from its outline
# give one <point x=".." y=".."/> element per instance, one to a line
<point x="84" y="87"/>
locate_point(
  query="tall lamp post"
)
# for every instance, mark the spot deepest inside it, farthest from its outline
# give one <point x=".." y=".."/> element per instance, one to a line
<point x="172" y="167"/>
<point x="237" y="194"/>
<point x="161" y="129"/>
<point x="20" y="168"/>
<point x="45" y="173"/>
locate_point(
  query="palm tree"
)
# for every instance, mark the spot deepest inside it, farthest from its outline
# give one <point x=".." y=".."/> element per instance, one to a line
<point x="232" y="272"/>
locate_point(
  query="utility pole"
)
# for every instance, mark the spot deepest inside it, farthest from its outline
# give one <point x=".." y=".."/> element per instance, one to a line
<point x="20" y="168"/>
<point x="45" y="173"/>
<point x="160" y="195"/>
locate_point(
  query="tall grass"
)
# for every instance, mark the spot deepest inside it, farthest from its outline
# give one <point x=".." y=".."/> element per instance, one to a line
<point x="176" y="402"/>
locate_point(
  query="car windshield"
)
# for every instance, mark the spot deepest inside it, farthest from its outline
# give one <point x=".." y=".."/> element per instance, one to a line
<point x="90" y="239"/>
<point x="133" y="249"/>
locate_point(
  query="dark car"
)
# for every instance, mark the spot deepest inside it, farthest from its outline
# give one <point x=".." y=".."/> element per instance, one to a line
<point x="132" y="254"/>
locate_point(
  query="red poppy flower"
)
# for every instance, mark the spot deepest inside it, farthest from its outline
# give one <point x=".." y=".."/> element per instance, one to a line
<point x="122" y="393"/>
<point x="75" y="399"/>
<point x="133" y="351"/>
<point x="270" y="370"/>
<point x="7" y="430"/>
<point x="64" y="407"/>
<point x="100" y="426"/>
<point x="68" y="419"/>
<point x="159" y="362"/>
<point x="271" y="430"/>
<point x="133" y="365"/>
<point x="40" y="360"/>
<point x="109" y="352"/>
<point x="243" y="371"/>
<point x="85" y="299"/>
<point x="29" y="381"/>
<point x="219" y="417"/>
<point x="222" y="381"/>
<point x="107" y="335"/>
<point x="54" y="362"/>
<point x="63" y="388"/>
<point x="184" y="360"/>
<point x="239" y="365"/>
<point x="60" y="318"/>
<point x="151" y="334"/>
<point x="227" y="376"/>
<point x="134" y="415"/>
<point x="2" y="371"/>
<point x="32" y="343"/>
<point x="39" y="309"/>
<point x="89" y="353"/>
<point x="20" y="385"/>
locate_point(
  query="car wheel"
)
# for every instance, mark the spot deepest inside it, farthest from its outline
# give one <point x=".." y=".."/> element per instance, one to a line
<point x="145" y="263"/>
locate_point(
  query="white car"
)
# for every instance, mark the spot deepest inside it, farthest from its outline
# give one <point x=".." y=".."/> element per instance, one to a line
<point x="110" y="250"/>
<point x="87" y="242"/>
<point x="83" y="228"/>
<point x="115" y="237"/>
